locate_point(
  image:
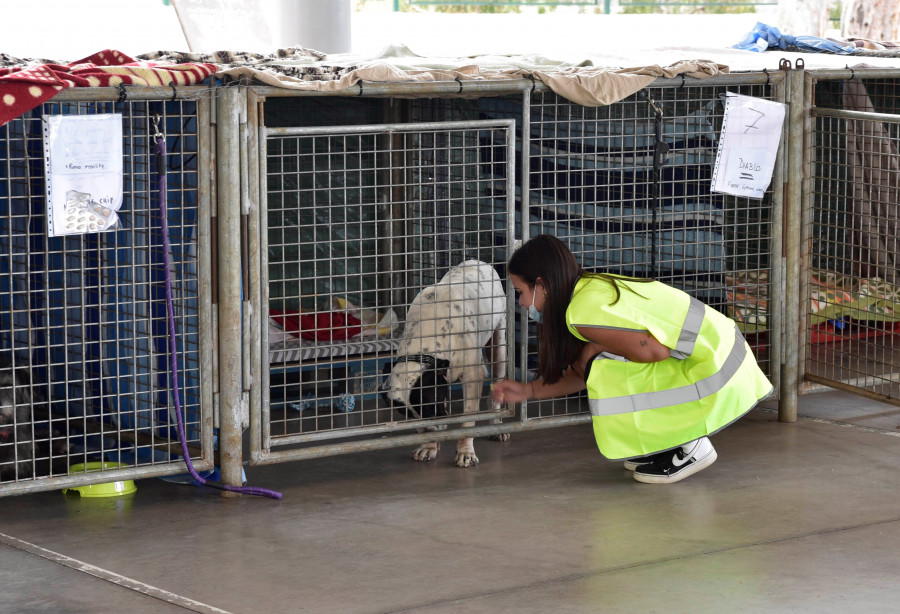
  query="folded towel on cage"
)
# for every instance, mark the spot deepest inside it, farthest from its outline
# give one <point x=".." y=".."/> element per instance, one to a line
<point x="25" y="84"/>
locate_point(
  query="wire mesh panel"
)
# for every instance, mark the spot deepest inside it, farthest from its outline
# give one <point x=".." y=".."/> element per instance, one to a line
<point x="85" y="376"/>
<point x="385" y="308"/>
<point x="599" y="180"/>
<point x="853" y="285"/>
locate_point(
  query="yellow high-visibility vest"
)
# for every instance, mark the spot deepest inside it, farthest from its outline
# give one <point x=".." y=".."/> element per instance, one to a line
<point x="710" y="379"/>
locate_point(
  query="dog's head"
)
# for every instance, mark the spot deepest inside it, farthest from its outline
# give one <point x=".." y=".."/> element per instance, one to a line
<point x="417" y="386"/>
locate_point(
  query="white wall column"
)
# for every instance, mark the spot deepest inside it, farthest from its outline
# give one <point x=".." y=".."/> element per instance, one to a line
<point x="323" y="25"/>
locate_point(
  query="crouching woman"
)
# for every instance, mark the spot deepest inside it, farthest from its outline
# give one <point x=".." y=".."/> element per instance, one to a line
<point x="663" y="371"/>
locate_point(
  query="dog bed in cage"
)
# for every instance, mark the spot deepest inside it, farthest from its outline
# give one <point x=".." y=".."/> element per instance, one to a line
<point x="289" y="349"/>
<point x="840" y="306"/>
<point x="345" y="338"/>
<point x="342" y="331"/>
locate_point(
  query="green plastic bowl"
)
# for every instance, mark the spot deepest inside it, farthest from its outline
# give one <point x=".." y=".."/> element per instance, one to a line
<point x="106" y="489"/>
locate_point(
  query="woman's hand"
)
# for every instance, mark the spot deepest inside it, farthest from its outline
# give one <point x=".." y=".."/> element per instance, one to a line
<point x="511" y="391"/>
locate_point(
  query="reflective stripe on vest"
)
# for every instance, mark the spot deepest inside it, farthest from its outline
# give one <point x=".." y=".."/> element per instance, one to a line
<point x="676" y="396"/>
<point x="684" y="347"/>
<point x="691" y="328"/>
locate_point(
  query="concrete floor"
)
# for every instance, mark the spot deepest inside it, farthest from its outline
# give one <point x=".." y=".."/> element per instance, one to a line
<point x="801" y="517"/>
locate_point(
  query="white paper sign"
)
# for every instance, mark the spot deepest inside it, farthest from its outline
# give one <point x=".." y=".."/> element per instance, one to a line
<point x="83" y="164"/>
<point x="751" y="131"/>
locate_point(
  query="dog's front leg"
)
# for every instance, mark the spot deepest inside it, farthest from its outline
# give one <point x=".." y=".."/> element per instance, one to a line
<point x="465" y="448"/>
<point x="428" y="451"/>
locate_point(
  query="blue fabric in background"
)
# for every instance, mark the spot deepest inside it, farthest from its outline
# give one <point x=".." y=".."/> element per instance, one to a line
<point x="763" y="37"/>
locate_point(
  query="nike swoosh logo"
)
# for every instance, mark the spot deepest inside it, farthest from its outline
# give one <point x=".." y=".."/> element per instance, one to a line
<point x="678" y="462"/>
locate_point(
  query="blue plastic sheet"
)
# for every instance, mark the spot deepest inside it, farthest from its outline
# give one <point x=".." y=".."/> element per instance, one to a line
<point x="763" y="37"/>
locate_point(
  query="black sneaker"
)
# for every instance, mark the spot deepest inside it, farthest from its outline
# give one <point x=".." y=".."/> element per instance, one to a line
<point x="678" y="464"/>
<point x="633" y="463"/>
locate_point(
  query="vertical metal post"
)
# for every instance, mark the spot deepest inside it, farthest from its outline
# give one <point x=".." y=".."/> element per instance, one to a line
<point x="255" y="250"/>
<point x="510" y="247"/>
<point x="787" y="407"/>
<point x="776" y="247"/>
<point x="249" y="287"/>
<point x="228" y="179"/>
<point x="210" y="176"/>
<point x="525" y="175"/>
<point x="205" y="288"/>
<point x="806" y="206"/>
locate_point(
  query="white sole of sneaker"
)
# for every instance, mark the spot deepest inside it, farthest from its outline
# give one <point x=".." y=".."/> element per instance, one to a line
<point x="688" y="471"/>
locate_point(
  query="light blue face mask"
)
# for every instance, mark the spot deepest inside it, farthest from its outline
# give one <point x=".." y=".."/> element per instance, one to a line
<point x="533" y="313"/>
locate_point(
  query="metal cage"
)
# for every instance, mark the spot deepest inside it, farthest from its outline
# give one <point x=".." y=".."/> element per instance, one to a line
<point x="358" y="215"/>
<point x="86" y="377"/>
<point x="627" y="187"/>
<point x="359" y="220"/>
<point x="851" y="295"/>
<point x="303" y="227"/>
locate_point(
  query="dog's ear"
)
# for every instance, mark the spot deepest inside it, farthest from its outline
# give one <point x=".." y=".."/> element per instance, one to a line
<point x="433" y="394"/>
<point x="386" y="389"/>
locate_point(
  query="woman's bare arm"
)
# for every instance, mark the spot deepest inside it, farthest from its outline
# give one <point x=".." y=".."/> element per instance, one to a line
<point x="636" y="346"/>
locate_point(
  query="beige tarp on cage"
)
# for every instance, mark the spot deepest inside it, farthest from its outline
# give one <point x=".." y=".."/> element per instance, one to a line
<point x="304" y="69"/>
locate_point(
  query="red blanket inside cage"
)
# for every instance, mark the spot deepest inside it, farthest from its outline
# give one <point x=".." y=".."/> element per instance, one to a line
<point x="318" y="326"/>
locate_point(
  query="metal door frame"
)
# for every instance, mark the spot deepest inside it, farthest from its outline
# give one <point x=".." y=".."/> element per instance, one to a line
<point x="262" y="451"/>
<point x="809" y="382"/>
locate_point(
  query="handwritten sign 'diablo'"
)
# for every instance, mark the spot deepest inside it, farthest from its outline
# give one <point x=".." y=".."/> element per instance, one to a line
<point x="748" y="146"/>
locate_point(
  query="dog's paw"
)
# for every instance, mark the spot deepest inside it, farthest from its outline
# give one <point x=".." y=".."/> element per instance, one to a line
<point x="426" y="452"/>
<point x="499" y="436"/>
<point x="466" y="459"/>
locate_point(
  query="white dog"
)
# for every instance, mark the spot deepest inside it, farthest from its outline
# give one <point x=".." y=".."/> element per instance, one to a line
<point x="447" y="328"/>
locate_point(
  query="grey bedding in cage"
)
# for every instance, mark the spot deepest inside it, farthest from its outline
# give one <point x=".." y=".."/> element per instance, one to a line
<point x="591" y="185"/>
<point x="689" y="242"/>
<point x="689" y="235"/>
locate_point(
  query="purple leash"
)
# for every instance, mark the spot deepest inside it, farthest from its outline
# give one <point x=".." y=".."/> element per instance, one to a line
<point x="170" y="314"/>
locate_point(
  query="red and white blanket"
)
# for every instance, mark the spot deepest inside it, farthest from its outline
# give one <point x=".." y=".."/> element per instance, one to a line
<point x="23" y="87"/>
